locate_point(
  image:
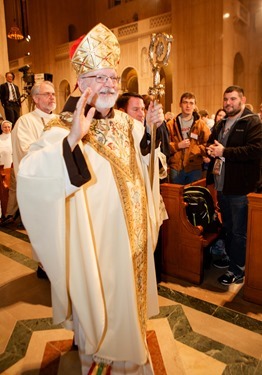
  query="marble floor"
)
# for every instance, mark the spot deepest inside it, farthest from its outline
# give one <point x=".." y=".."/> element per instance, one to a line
<point x="201" y="330"/>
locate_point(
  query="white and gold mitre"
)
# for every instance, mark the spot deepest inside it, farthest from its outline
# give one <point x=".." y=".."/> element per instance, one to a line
<point x="99" y="49"/>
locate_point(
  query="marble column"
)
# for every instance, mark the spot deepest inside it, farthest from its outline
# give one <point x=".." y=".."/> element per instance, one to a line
<point x="4" y="63"/>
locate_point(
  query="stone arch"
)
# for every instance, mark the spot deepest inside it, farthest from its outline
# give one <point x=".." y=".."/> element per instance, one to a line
<point x="166" y="77"/>
<point x="166" y="81"/>
<point x="129" y="80"/>
<point x="239" y="69"/>
<point x="63" y="93"/>
<point x="72" y="33"/>
<point x="144" y="61"/>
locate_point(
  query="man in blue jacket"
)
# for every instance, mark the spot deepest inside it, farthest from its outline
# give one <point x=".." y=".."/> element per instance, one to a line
<point x="235" y="147"/>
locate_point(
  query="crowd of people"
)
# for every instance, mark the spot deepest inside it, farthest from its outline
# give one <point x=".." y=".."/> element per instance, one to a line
<point x="82" y="178"/>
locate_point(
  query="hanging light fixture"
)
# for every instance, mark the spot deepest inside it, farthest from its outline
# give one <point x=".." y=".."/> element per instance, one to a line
<point x="15" y="32"/>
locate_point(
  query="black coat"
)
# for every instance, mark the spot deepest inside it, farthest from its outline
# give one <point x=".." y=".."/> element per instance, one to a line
<point x="243" y="154"/>
<point x="4" y="94"/>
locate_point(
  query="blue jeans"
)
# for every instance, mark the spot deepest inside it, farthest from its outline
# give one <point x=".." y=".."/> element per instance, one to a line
<point x="183" y="178"/>
<point x="234" y="209"/>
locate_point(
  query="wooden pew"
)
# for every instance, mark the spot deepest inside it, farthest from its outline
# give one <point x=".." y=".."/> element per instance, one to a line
<point x="4" y="187"/>
<point x="182" y="243"/>
<point x="252" y="290"/>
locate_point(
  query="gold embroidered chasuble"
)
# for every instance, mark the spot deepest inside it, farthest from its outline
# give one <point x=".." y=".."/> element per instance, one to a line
<point x="113" y="140"/>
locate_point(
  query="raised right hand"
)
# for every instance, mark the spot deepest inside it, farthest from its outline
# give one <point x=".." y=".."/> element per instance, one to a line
<point x="81" y="123"/>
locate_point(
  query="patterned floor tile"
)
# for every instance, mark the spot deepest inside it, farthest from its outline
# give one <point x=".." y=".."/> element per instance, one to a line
<point x="35" y="346"/>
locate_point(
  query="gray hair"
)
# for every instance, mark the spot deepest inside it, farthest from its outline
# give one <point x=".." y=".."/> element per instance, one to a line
<point x="36" y="88"/>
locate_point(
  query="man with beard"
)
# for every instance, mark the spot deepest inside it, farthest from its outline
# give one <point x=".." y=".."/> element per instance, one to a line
<point x="28" y="129"/>
<point x="92" y="217"/>
<point x="30" y="126"/>
<point x="235" y="146"/>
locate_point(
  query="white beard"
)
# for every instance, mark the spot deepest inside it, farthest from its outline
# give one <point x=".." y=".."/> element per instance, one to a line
<point x="108" y="101"/>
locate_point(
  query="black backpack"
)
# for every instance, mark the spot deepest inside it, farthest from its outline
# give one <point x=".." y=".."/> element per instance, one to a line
<point x="200" y="208"/>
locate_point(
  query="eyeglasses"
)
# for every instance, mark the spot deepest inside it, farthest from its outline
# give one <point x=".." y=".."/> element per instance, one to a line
<point x="104" y="78"/>
<point x="187" y="102"/>
<point x="48" y="94"/>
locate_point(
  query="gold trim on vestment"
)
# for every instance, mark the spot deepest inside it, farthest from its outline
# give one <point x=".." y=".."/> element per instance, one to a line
<point x="112" y="139"/>
<point x="57" y="122"/>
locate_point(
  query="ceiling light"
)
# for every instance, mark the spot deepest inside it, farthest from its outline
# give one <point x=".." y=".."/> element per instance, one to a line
<point x="15" y="33"/>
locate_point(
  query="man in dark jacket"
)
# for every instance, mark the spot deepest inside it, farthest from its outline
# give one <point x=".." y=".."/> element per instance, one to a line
<point x="10" y="98"/>
<point x="235" y="148"/>
<point x="136" y="106"/>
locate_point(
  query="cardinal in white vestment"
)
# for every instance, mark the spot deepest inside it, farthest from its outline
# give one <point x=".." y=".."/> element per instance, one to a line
<point x="93" y="217"/>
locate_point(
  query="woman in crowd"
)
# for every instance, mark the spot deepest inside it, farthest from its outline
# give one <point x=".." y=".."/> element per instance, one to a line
<point x="6" y="144"/>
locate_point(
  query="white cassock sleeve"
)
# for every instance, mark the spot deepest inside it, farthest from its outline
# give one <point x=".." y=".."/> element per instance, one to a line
<point x="43" y="192"/>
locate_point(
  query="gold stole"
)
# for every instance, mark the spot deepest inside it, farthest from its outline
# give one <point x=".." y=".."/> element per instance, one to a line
<point x="112" y="138"/>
